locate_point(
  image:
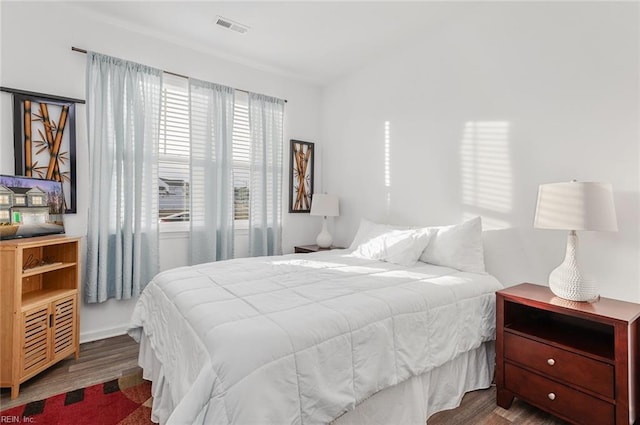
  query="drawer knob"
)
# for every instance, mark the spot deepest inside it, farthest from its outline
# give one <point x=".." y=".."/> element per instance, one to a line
<point x="551" y="362"/>
<point x="551" y="396"/>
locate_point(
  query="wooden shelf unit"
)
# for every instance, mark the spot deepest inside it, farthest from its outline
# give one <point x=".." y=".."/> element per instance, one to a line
<point x="578" y="361"/>
<point x="39" y="320"/>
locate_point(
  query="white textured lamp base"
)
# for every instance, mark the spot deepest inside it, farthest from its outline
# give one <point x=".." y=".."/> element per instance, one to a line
<point x="567" y="281"/>
<point x="324" y="239"/>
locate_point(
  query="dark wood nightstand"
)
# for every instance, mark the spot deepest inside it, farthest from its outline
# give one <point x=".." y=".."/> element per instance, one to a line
<point x="304" y="249"/>
<point x="578" y="361"/>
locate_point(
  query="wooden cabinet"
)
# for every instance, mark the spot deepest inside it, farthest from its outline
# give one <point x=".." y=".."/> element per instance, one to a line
<point x="39" y="306"/>
<point x="578" y="361"/>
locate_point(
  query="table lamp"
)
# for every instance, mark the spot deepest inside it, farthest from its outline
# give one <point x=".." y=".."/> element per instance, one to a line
<point x="326" y="206"/>
<point x="574" y="206"/>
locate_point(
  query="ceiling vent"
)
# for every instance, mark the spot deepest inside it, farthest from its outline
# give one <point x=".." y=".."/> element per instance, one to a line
<point x="231" y="25"/>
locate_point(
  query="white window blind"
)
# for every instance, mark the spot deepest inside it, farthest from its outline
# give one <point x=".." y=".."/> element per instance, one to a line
<point x="174" y="158"/>
<point x="241" y="152"/>
<point x="173" y="167"/>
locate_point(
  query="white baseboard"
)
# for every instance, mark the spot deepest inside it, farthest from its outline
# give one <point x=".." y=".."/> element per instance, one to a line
<point x="102" y="334"/>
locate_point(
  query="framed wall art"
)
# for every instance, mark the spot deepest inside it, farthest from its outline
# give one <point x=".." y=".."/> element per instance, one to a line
<point x="44" y="136"/>
<point x="301" y="176"/>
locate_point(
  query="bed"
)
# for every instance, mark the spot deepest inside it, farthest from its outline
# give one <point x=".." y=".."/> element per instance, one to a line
<point x="318" y="338"/>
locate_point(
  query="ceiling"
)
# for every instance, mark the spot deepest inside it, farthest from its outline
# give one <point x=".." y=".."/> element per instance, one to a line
<point x="313" y="41"/>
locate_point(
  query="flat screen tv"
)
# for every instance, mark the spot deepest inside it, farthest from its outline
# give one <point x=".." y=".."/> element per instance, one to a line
<point x="30" y="207"/>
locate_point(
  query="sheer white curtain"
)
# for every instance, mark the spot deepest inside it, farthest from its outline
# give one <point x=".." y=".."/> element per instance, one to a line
<point x="211" y="182"/>
<point x="265" y="200"/>
<point x="123" y="113"/>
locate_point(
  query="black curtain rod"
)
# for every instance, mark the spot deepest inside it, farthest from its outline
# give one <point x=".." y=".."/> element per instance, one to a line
<point x="77" y="49"/>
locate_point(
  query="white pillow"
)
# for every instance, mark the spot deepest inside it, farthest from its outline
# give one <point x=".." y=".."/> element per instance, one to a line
<point x="369" y="230"/>
<point x="396" y="246"/>
<point x="458" y="246"/>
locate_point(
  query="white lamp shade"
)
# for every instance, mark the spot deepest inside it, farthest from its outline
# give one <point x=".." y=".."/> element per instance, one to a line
<point x="576" y="206"/>
<point x="325" y="205"/>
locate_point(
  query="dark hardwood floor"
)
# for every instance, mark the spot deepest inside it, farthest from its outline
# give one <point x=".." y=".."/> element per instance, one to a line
<point x="100" y="361"/>
<point x="479" y="408"/>
<point x="112" y="358"/>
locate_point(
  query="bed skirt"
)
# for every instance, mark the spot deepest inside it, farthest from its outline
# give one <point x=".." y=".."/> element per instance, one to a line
<point x="410" y="402"/>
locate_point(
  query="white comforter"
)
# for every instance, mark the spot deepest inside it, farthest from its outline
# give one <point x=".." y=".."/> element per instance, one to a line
<point x="301" y="339"/>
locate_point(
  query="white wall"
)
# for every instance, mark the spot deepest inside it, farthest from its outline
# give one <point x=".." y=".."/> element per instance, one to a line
<point x="470" y="117"/>
<point x="36" y="56"/>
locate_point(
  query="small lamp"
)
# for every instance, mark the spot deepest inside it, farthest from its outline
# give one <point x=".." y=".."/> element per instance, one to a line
<point x="574" y="206"/>
<point x="326" y="206"/>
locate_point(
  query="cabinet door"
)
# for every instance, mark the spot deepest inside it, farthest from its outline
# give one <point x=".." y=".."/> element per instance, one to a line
<point x="35" y="327"/>
<point x="64" y="327"/>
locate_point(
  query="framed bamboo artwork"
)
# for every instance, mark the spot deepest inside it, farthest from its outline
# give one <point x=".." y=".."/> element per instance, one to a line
<point x="301" y="176"/>
<point x="44" y="135"/>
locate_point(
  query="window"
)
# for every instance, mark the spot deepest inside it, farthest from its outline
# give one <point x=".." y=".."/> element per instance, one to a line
<point x="241" y="152"/>
<point x="173" y="167"/>
<point x="4" y="215"/>
<point x="36" y="200"/>
<point x="4" y="199"/>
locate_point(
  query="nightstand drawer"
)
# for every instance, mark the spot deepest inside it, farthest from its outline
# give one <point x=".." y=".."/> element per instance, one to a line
<point x="558" y="398"/>
<point x="557" y="363"/>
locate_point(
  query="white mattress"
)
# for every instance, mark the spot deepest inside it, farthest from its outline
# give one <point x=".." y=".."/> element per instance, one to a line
<point x="302" y="339"/>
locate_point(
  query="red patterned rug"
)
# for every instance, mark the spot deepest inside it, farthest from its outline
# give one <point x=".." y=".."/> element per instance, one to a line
<point x="124" y="401"/>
